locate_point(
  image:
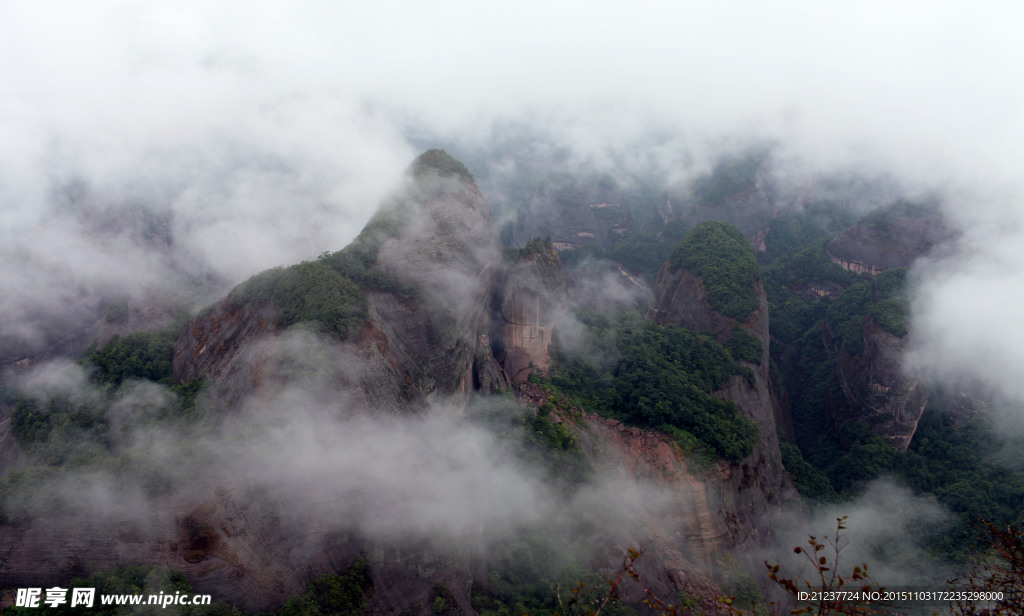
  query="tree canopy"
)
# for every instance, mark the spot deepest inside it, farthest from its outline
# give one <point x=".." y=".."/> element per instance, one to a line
<point x="722" y="257"/>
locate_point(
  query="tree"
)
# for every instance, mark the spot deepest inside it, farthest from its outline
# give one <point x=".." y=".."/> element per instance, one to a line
<point x="1000" y="572"/>
<point x="825" y="595"/>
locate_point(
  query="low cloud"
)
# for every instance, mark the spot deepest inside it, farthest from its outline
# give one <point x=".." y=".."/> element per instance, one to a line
<point x="887" y="527"/>
<point x="325" y="462"/>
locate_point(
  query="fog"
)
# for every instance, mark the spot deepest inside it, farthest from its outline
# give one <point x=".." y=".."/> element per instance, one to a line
<point x="305" y="462"/>
<point x="263" y="134"/>
<point x="172" y="151"/>
<point x="887" y="527"/>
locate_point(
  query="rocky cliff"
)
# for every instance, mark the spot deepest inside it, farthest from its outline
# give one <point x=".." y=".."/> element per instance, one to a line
<point x="681" y="297"/>
<point x="876" y="389"/>
<point x="894" y="236"/>
<point x="424" y="269"/>
<point x="448" y="250"/>
<point x="532" y="297"/>
<point x="686" y="539"/>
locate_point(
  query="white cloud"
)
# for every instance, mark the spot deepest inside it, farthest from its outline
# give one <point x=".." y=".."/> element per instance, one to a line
<point x="270" y="131"/>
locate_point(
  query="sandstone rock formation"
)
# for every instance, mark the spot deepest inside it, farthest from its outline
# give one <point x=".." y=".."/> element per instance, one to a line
<point x="894" y="236"/>
<point x="876" y="389"/>
<point x="761" y="481"/>
<point x="532" y="297"/>
<point x="438" y="239"/>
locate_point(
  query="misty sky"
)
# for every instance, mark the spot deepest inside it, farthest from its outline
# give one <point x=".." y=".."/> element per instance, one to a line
<point x="269" y="131"/>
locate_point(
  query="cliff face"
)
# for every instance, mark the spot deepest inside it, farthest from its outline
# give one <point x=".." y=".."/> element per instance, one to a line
<point x="532" y="296"/>
<point x="877" y="391"/>
<point x="213" y="346"/>
<point x="680" y="297"/>
<point x="685" y="538"/>
<point x="895" y="236"/>
<point x="449" y="250"/>
<point x="760" y="482"/>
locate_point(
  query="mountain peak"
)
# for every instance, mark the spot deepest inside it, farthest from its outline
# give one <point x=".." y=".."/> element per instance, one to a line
<point x="439" y="162"/>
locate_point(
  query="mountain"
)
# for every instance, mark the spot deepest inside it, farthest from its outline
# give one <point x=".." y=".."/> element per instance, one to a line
<point x="426" y="420"/>
<point x="409" y="297"/>
<point x="423" y="309"/>
<point x="712" y="284"/>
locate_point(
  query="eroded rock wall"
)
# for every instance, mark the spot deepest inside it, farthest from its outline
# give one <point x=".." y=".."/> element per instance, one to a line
<point x="532" y="297"/>
<point x="892" y="237"/>
<point x="444" y="246"/>
<point x="876" y="388"/>
<point x="760" y="482"/>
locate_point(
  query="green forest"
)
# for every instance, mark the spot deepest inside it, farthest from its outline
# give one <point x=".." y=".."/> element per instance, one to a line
<point x="962" y="464"/>
<point x="657" y="376"/>
<point x="725" y="262"/>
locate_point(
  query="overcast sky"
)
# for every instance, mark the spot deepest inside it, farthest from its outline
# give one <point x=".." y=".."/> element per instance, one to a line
<point x="932" y="85"/>
<point x="270" y="130"/>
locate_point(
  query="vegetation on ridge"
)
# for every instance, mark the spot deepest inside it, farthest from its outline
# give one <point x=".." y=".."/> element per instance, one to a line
<point x="722" y="257"/>
<point x="656" y="375"/>
<point x="330" y="293"/>
<point x="311" y="292"/>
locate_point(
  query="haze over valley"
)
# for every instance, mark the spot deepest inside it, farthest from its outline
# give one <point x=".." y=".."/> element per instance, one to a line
<point x="327" y="309"/>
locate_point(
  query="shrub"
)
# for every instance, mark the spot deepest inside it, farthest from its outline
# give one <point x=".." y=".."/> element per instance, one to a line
<point x="891" y="314"/>
<point x="343" y="594"/>
<point x="140" y="355"/>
